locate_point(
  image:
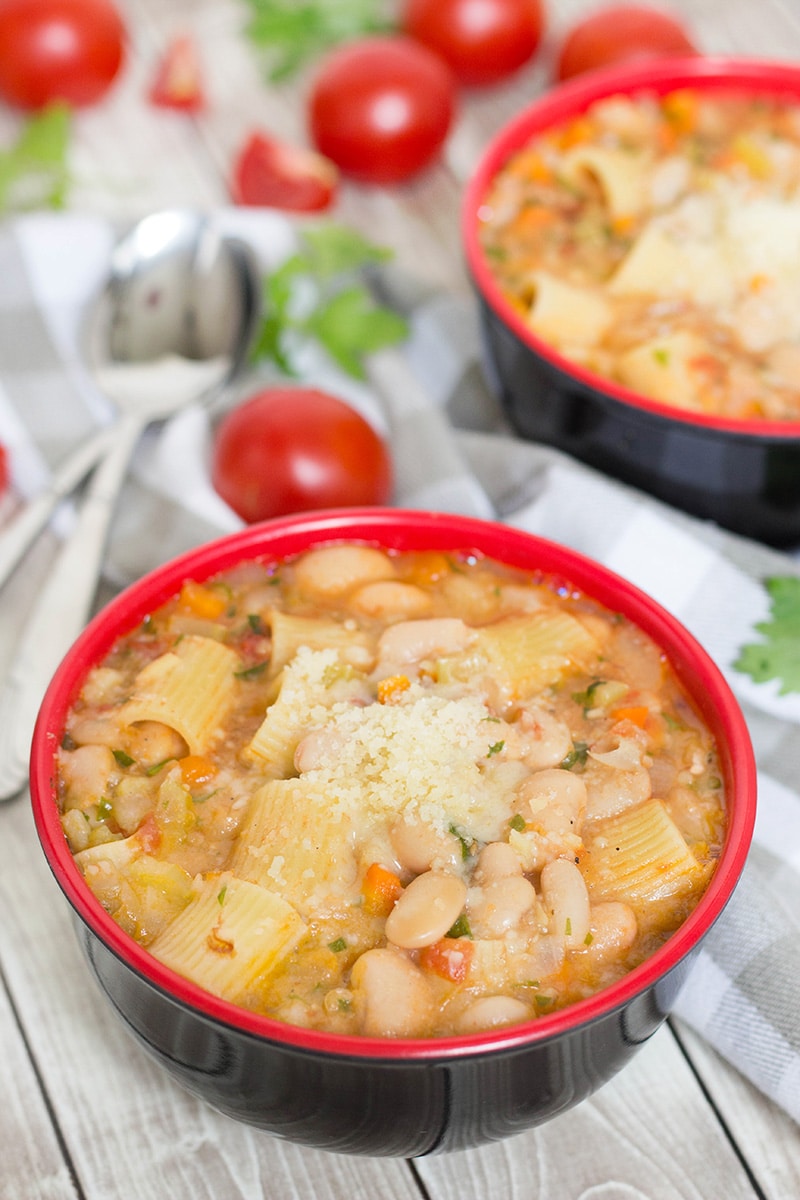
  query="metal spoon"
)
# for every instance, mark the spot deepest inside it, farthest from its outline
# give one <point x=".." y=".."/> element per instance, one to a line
<point x="150" y="321"/>
<point x="172" y="327"/>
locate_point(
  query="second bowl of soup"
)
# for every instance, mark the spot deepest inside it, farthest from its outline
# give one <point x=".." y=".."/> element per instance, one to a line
<point x="632" y="238"/>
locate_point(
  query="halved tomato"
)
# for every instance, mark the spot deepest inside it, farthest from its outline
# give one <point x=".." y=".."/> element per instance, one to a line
<point x="178" y="81"/>
<point x="273" y="174"/>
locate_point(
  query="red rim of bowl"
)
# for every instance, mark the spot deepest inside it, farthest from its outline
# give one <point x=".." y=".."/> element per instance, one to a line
<point x="398" y="529"/>
<point x="760" y="76"/>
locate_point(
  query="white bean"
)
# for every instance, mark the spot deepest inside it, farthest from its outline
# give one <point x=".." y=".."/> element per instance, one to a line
<point x="556" y="800"/>
<point x="426" y="910"/>
<point x="87" y="773"/>
<point x="565" y="895"/>
<point x="390" y="598"/>
<point x="391" y="995"/>
<point x="317" y="747"/>
<point x="544" y="740"/>
<point x="419" y="846"/>
<point x="492" y="1012"/>
<point x="332" y="570"/>
<point x="151" y="742"/>
<point x="501" y="905"/>
<point x="497" y="860"/>
<point x="413" y="641"/>
<point x="612" y="928"/>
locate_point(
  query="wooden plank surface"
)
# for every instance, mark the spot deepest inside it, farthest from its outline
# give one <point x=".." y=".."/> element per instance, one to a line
<point x="89" y="1116"/>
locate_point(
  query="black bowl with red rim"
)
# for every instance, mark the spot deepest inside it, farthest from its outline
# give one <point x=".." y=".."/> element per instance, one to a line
<point x="742" y="473"/>
<point x="361" y="1095"/>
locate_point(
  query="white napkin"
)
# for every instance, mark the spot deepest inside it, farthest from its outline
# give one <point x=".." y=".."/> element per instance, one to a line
<point x="451" y="452"/>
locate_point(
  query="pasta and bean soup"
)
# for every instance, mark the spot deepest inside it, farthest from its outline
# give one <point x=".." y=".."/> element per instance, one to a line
<point x="655" y="241"/>
<point x="393" y="794"/>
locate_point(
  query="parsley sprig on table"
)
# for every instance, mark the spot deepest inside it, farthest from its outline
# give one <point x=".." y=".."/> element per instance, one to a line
<point x="318" y="294"/>
<point x="33" y="171"/>
<point x="778" y="655"/>
<point x="293" y="32"/>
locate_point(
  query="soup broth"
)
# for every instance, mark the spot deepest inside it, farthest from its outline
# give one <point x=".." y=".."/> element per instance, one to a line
<point x="391" y="794"/>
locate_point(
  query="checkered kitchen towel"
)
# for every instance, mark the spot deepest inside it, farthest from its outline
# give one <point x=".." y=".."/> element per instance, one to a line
<point x="453" y="453"/>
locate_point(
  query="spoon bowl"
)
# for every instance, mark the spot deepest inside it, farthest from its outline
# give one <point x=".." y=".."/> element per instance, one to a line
<point x="171" y="327"/>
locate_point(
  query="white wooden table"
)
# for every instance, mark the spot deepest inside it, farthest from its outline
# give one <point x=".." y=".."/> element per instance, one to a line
<point x="84" y="1115"/>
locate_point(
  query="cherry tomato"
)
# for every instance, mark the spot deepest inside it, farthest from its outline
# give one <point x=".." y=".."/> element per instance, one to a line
<point x="483" y="41"/>
<point x="273" y="174"/>
<point x="178" y="81"/>
<point x="291" y="449"/>
<point x="381" y="108"/>
<point x="67" y="50"/>
<point x="618" y="34"/>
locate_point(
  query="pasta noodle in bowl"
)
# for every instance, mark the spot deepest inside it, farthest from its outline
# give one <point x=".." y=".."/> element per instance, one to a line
<point x="395" y="1094"/>
<point x="664" y="354"/>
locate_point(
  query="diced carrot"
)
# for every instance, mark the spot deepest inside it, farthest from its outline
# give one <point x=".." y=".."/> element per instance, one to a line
<point x="578" y="131"/>
<point x="529" y="165"/>
<point x="622" y="224"/>
<point x="202" y="601"/>
<point x="450" y="958"/>
<point x="392" y="687"/>
<point x="635" y="713"/>
<point x="680" y="109"/>
<point x="531" y="219"/>
<point x="381" y="889"/>
<point x="196" y="770"/>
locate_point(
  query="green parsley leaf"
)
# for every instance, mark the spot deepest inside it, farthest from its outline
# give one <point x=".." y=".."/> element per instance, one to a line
<point x="318" y="295"/>
<point x="251" y="672"/>
<point x="104" y="808"/>
<point x="778" y="655"/>
<point x="517" y="823"/>
<point x="122" y="758"/>
<point x="460" y="928"/>
<point x="33" y="172"/>
<point x="221" y="895"/>
<point x="292" y="32"/>
<point x="576" y="757"/>
<point x="495" y="748"/>
<point x="337" y="945"/>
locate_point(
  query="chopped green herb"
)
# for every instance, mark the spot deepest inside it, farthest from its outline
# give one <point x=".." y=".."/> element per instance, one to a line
<point x="122" y="758"/>
<point x="576" y="757"/>
<point x="256" y="623"/>
<point x="337" y="945"/>
<point x="104" y="808"/>
<point x="156" y="767"/>
<point x="495" y="748"/>
<point x="460" y="928"/>
<point x="221" y="895"/>
<point x="318" y="294"/>
<point x="587" y="941"/>
<point x="292" y="32"/>
<point x="466" y="843"/>
<point x="778" y="655"/>
<point x="544" y="1001"/>
<point x="517" y="823"/>
<point x="568" y="927"/>
<point x="661" y="355"/>
<point x="251" y="672"/>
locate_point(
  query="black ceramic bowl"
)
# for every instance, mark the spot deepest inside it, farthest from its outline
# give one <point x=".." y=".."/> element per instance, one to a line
<point x="368" y="1095"/>
<point x="743" y="474"/>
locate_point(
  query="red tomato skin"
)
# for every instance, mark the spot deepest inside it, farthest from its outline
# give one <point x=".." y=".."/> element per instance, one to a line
<point x="178" y="81"/>
<point x="70" y="50"/>
<point x="620" y="34"/>
<point x="381" y="108"/>
<point x="293" y="449"/>
<point x="272" y="174"/>
<point x="482" y="41"/>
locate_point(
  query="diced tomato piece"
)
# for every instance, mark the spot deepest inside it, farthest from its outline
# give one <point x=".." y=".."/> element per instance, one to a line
<point x="381" y="890"/>
<point x="450" y="958"/>
<point x="149" y="834"/>
<point x="269" y="173"/>
<point x="178" y="81"/>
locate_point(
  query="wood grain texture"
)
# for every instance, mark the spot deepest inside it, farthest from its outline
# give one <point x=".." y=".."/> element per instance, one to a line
<point x="128" y="1131"/>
